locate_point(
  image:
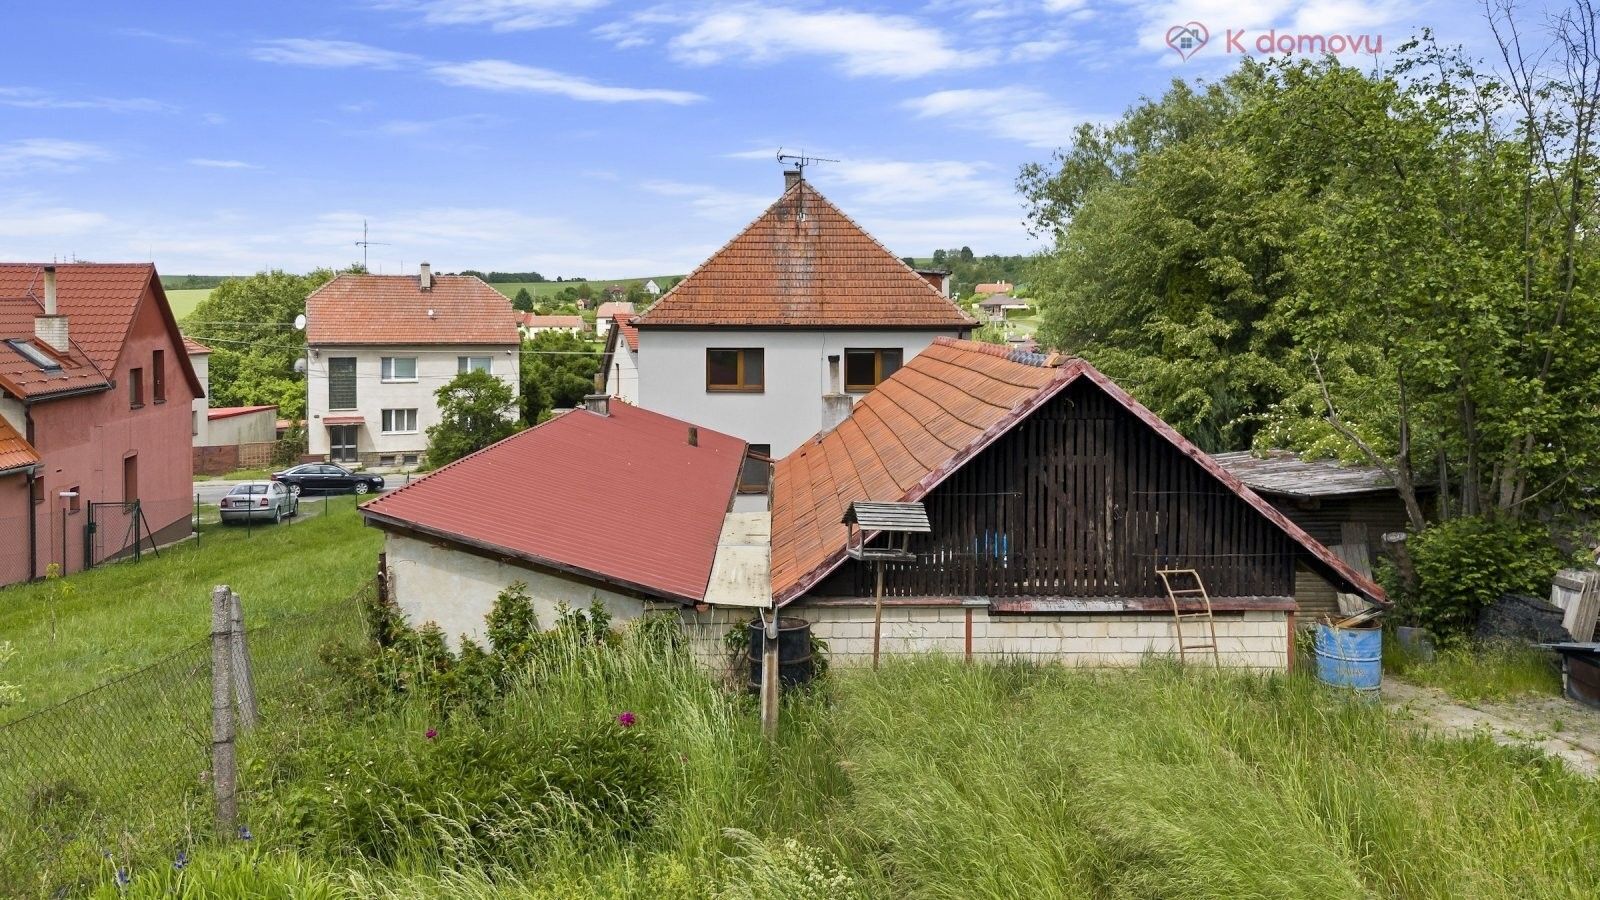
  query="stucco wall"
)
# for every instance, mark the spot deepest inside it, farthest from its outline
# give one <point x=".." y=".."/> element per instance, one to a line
<point x="672" y="377"/>
<point x="456" y="590"/>
<point x="436" y="366"/>
<point x="246" y="428"/>
<point x="622" y="381"/>
<point x="199" y="425"/>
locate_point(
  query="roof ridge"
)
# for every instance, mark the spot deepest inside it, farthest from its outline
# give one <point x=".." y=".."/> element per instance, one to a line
<point x="1037" y="360"/>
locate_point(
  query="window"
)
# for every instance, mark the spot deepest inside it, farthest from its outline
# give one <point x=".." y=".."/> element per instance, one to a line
<point x="75" y="500"/>
<point x="342" y="382"/>
<point x="399" y="368"/>
<point x="399" y="421"/>
<point x="757" y="469"/>
<point x="36" y="356"/>
<point x="408" y="459"/>
<point x="386" y="460"/>
<point x="474" y="364"/>
<point x="866" y="369"/>
<point x="135" y="388"/>
<point x="130" y="478"/>
<point x="158" y="375"/>
<point x="736" y="370"/>
<point x="36" y="491"/>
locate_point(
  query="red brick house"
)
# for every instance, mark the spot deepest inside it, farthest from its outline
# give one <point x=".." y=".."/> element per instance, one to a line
<point x="96" y="392"/>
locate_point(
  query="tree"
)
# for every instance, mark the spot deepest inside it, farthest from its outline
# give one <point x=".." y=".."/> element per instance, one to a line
<point x="966" y="254"/>
<point x="938" y="257"/>
<point x="476" y="409"/>
<point x="558" y="370"/>
<point x="523" y="301"/>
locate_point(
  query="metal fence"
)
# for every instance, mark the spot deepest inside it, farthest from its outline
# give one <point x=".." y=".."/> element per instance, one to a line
<point x="129" y="762"/>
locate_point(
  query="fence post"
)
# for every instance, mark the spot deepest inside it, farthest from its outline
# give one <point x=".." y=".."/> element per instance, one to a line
<point x="244" y="682"/>
<point x="223" y="772"/>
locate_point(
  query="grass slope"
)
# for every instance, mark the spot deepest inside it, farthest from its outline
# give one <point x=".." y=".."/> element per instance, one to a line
<point x="184" y="301"/>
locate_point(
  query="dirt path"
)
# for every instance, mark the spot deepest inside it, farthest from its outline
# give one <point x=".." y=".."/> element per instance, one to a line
<point x="1556" y="725"/>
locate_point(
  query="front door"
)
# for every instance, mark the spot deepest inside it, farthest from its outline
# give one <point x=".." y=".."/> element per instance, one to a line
<point x="342" y="441"/>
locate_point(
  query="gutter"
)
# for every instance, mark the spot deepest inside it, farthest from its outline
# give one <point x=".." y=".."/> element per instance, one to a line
<point x="33" y="517"/>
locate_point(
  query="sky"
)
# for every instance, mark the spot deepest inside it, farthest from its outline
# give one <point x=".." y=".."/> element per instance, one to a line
<point x="579" y="138"/>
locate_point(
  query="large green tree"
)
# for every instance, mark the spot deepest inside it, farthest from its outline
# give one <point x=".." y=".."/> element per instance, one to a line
<point x="558" y="369"/>
<point x="476" y="409"/>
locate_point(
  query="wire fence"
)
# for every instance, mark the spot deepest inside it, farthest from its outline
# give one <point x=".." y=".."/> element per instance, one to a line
<point x="129" y="762"/>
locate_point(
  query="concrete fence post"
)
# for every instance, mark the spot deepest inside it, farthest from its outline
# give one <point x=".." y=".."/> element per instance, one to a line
<point x="224" y="773"/>
<point x="244" y="681"/>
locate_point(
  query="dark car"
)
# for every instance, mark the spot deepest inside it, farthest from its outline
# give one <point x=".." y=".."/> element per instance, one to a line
<point x="327" y="478"/>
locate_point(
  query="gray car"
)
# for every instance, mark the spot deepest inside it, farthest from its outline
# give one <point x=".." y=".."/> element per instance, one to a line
<point x="259" y="501"/>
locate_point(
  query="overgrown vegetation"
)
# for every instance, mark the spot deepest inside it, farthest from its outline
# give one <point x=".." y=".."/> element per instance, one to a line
<point x="476" y="409"/>
<point x="1464" y="565"/>
<point x="1478" y="672"/>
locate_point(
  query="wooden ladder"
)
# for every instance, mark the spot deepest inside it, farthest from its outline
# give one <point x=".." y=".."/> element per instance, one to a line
<point x="1179" y="616"/>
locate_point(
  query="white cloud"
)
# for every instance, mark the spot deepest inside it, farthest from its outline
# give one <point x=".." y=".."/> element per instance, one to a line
<point x="27" y="217"/>
<point x="46" y="154"/>
<point x="33" y="98"/>
<point x="1015" y="113"/>
<point x="499" y="75"/>
<point x="861" y="43"/>
<point x="714" y="202"/>
<point x="222" y="163"/>
<point x="404" y="127"/>
<point x="892" y="182"/>
<point x="324" y="54"/>
<point x="499" y="15"/>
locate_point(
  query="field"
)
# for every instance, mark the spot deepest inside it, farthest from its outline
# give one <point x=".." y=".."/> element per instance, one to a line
<point x="927" y="779"/>
<point x="184" y="301"/>
<point x="551" y="288"/>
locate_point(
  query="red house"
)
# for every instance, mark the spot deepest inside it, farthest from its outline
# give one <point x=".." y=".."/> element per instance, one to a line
<point x="95" y="397"/>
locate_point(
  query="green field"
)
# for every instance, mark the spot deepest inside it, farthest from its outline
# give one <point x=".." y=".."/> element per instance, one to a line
<point x="184" y="301"/>
<point x="551" y="288"/>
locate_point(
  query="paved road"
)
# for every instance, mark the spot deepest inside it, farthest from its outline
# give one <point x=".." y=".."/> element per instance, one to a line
<point x="211" y="492"/>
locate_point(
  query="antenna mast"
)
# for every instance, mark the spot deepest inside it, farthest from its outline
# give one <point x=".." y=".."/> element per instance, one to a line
<point x="800" y="161"/>
<point x="364" y="244"/>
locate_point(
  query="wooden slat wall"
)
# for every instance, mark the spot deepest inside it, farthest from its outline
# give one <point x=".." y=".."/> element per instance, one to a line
<point x="1082" y="500"/>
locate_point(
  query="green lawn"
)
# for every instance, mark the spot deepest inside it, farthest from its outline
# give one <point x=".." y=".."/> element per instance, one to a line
<point x="184" y="301"/>
<point x="123" y="616"/>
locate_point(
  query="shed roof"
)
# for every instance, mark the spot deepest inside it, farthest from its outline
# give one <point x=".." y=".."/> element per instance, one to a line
<point x="1285" y="473"/>
<point x="394" y="309"/>
<point x="933" y="415"/>
<point x="804" y="263"/>
<point x="228" y="412"/>
<point x="15" y="451"/>
<point x="650" y="526"/>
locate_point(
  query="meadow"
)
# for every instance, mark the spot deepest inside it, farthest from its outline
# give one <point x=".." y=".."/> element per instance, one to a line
<point x="184" y="301"/>
<point x="540" y="289"/>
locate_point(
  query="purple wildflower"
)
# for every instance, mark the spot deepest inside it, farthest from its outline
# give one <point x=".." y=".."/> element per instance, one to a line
<point x="431" y="733"/>
<point x="123" y="877"/>
<point x="182" y="862"/>
<point x="244" y="833"/>
<point x="627" y="720"/>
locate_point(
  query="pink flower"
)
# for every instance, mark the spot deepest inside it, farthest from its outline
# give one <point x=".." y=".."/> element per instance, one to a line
<point x="431" y="733"/>
<point x="627" y="720"/>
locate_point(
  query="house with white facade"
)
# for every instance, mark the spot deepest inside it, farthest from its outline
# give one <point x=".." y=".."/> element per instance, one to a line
<point x="200" y="360"/>
<point x="619" y="366"/>
<point x="606" y="313"/>
<point x="774" y="337"/>
<point x="378" y="347"/>
<point x="530" y="324"/>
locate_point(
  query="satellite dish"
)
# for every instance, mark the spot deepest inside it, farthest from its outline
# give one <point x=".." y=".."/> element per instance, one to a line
<point x="300" y="322"/>
<point x="300" y="366"/>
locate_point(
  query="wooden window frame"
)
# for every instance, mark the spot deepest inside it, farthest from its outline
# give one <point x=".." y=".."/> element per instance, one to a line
<point x="136" y="388"/>
<point x="158" y="376"/>
<point x="760" y="454"/>
<point x="877" y="367"/>
<point x="740" y="386"/>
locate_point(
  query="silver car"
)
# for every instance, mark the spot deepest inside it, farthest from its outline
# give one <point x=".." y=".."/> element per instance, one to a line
<point x="258" y="500"/>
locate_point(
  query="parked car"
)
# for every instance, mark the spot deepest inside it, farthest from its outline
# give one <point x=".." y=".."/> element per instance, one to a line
<point x="258" y="500"/>
<point x="327" y="478"/>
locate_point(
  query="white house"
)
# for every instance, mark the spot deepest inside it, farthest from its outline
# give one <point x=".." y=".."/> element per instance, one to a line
<point x="774" y="336"/>
<point x="607" y="312"/>
<point x="530" y="324"/>
<point x="620" y="364"/>
<point x="379" y="346"/>
<point x="200" y="359"/>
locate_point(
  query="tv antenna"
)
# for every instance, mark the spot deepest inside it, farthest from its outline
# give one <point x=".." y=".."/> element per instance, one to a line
<point x="800" y="161"/>
<point x="364" y="244"/>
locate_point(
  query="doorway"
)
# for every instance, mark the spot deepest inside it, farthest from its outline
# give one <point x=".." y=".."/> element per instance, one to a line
<point x="342" y="443"/>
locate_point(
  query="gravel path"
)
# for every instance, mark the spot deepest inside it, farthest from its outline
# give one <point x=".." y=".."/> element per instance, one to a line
<point x="1556" y="725"/>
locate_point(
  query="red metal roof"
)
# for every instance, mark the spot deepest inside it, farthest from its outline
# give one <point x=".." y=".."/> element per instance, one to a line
<point x="15" y="451"/>
<point x="228" y="412"/>
<point x="651" y="525"/>
<point x="939" y="410"/>
<point x="804" y="263"/>
<point x="100" y="301"/>
<point x="343" y="420"/>
<point x="393" y="309"/>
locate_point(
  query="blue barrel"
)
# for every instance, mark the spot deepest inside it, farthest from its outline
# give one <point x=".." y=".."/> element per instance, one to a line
<point x="1350" y="657"/>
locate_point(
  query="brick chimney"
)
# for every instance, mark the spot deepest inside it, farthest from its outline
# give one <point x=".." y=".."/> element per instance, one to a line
<point x="599" y="404"/>
<point x="425" y="278"/>
<point x="51" y="328"/>
<point x="791" y="177"/>
<point x="835" y="403"/>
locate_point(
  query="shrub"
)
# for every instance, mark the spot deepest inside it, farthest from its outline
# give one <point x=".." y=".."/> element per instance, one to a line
<point x="1465" y="564"/>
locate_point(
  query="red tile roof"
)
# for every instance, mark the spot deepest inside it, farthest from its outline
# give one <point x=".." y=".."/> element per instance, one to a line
<point x="194" y="347"/>
<point x="612" y="308"/>
<point x="997" y="287"/>
<point x="393" y="309"/>
<point x="343" y="420"/>
<point x="530" y="320"/>
<point x="228" y="412"/>
<point x="650" y="526"/>
<point x="804" y="263"/>
<point x="100" y="301"/>
<point x="15" y="451"/>
<point x="629" y="333"/>
<point x="920" y="425"/>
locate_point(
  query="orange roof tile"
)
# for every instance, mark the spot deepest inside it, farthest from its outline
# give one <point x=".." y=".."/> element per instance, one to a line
<point x="393" y="309"/>
<point x="15" y="451"/>
<point x="628" y="331"/>
<point x="530" y="320"/>
<point x="194" y="347"/>
<point x="938" y="411"/>
<point x="612" y="308"/>
<point x="804" y="263"/>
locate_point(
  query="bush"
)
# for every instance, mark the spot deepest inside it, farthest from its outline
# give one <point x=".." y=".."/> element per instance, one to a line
<point x="1465" y="564"/>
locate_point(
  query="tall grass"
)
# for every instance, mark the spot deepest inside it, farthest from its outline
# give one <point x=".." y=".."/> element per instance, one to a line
<point x="1476" y="673"/>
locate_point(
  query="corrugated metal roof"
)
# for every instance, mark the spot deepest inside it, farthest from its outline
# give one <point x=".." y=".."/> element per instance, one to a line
<point x="228" y="412"/>
<point x="652" y="524"/>
<point x="940" y="410"/>
<point x="393" y="309"/>
<point x="804" y="263"/>
<point x="15" y="451"/>
<point x="1285" y="473"/>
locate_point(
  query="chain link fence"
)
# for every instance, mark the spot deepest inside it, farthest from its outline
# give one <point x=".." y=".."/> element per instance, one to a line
<point x="129" y="763"/>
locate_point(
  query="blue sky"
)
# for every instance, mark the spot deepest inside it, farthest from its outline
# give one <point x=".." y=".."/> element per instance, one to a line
<point x="572" y="137"/>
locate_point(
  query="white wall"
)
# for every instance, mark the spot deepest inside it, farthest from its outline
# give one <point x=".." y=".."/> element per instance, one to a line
<point x="622" y="381"/>
<point x="248" y="428"/>
<point x="15" y="413"/>
<point x="434" y="583"/>
<point x="672" y="377"/>
<point x="436" y="366"/>
<point x="201" y="428"/>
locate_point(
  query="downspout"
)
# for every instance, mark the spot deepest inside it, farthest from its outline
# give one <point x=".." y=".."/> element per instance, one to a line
<point x="33" y="517"/>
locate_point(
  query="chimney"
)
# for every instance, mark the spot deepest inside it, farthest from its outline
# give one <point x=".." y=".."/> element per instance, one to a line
<point x="425" y="279"/>
<point x="51" y="328"/>
<point x="599" y="404"/>
<point x="791" y="177"/>
<point x="835" y="403"/>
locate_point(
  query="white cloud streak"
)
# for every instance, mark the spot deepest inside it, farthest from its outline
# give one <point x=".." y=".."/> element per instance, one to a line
<point x="1013" y="113"/>
<point x="47" y="155"/>
<point x="33" y="98"/>
<point x="324" y="54"/>
<point x="205" y="163"/>
<point x="510" y="77"/>
<point x="499" y="15"/>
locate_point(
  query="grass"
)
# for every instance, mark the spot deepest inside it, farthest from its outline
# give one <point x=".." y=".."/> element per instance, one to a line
<point x="238" y="475"/>
<point x="184" y="301"/>
<point x="1478" y="673"/>
<point x="123" y="616"/>
<point x="551" y="288"/>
